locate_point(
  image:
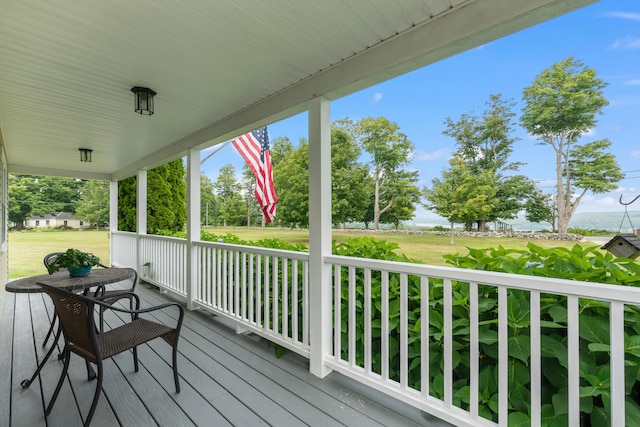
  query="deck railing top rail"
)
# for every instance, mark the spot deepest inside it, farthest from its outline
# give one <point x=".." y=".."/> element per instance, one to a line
<point x="619" y="293"/>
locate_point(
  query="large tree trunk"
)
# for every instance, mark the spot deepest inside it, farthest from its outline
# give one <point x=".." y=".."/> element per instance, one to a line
<point x="451" y="233"/>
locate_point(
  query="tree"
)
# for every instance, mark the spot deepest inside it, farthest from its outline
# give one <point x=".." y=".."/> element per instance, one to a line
<point x="167" y="195"/>
<point x="593" y="169"/>
<point x="485" y="145"/>
<point x="247" y="188"/>
<point x="31" y="195"/>
<point x="560" y="106"/>
<point x="407" y="196"/>
<point x="22" y="196"/>
<point x="166" y="199"/>
<point x="461" y="195"/>
<point x="127" y="208"/>
<point x="208" y="206"/>
<point x="230" y="204"/>
<point x="540" y="207"/>
<point x="389" y="149"/>
<point x="350" y="180"/>
<point x="291" y="174"/>
<point x="94" y="203"/>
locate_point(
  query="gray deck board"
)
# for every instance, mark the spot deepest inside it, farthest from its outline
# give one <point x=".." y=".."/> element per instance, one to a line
<point x="226" y="380"/>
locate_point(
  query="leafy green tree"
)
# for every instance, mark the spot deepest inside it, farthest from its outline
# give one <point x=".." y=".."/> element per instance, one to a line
<point x="350" y="180"/>
<point x="485" y="145"/>
<point x="407" y="196"/>
<point x="560" y="106"/>
<point x="540" y="207"/>
<point x="22" y="197"/>
<point x="208" y="207"/>
<point x="127" y="209"/>
<point x="461" y="195"/>
<point x="166" y="199"/>
<point x="167" y="194"/>
<point x="230" y="205"/>
<point x="291" y="174"/>
<point x="31" y="195"/>
<point x="248" y="187"/>
<point x="593" y="168"/>
<point x="390" y="150"/>
<point x="94" y="203"/>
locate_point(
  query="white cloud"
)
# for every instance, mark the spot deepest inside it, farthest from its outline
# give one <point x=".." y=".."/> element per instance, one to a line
<point x="377" y="97"/>
<point x="624" y="15"/>
<point x="634" y="82"/>
<point x="635" y="153"/>
<point x="626" y="42"/>
<point x="589" y="132"/>
<point x="426" y="157"/>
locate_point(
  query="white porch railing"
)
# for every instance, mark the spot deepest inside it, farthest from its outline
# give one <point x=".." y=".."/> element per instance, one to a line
<point x="406" y="329"/>
<point x="264" y="290"/>
<point x="124" y="249"/>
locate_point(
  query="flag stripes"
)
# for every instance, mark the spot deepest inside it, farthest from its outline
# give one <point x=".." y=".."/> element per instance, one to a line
<point x="254" y="149"/>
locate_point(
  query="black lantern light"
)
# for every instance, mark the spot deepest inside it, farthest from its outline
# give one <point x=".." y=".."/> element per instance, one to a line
<point x="85" y="154"/>
<point x="144" y="100"/>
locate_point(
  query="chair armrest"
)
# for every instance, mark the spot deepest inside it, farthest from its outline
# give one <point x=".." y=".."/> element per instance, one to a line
<point x="139" y="311"/>
<point x="101" y="298"/>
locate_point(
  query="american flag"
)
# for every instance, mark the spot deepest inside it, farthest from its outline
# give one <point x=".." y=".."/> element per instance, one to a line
<point x="254" y="149"/>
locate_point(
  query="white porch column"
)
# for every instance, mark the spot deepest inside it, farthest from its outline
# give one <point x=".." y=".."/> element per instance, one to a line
<point x="193" y="222"/>
<point x="319" y="235"/>
<point x="113" y="216"/>
<point x="141" y="214"/>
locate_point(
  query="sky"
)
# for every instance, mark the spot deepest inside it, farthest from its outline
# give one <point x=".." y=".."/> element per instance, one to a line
<point x="604" y="36"/>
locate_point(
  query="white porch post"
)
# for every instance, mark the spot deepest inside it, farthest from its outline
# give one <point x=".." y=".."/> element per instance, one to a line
<point x="193" y="222"/>
<point x="141" y="214"/>
<point x="113" y="216"/>
<point x="319" y="235"/>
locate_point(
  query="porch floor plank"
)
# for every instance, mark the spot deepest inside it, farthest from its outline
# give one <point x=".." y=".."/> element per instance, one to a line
<point x="226" y="379"/>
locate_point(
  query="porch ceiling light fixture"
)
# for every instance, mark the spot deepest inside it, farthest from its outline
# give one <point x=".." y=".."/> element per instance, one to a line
<point x="85" y="154"/>
<point x="143" y="100"/>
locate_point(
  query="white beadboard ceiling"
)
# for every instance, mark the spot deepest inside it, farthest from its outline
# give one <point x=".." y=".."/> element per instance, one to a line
<point x="220" y="67"/>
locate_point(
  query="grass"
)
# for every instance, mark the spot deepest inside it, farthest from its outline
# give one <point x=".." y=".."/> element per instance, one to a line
<point x="27" y="249"/>
<point x="425" y="247"/>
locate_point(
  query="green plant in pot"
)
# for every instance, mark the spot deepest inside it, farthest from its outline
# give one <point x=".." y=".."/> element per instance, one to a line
<point x="78" y="263"/>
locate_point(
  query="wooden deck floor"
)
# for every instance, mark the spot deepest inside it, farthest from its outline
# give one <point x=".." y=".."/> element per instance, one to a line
<point x="226" y="380"/>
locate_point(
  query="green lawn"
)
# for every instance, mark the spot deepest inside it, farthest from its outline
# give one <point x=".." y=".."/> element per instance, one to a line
<point x="426" y="247"/>
<point x="26" y="249"/>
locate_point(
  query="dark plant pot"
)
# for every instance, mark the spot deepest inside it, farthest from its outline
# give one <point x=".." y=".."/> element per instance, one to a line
<point x="79" y="271"/>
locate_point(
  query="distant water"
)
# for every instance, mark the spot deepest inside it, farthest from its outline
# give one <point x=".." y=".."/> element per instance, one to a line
<point x="612" y="221"/>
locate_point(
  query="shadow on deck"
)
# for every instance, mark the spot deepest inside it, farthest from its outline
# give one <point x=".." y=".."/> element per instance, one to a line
<point x="226" y="380"/>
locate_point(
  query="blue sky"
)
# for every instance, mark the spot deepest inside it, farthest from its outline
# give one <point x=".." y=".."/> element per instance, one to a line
<point x="605" y="36"/>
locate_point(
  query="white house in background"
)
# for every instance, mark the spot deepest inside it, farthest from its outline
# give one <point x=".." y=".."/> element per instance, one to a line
<point x="61" y="219"/>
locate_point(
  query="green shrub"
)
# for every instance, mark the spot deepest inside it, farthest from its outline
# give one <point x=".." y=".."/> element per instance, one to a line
<point x="585" y="264"/>
<point x="588" y="232"/>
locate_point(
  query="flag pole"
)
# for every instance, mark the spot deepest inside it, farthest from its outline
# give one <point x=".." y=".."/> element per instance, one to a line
<point x="218" y="148"/>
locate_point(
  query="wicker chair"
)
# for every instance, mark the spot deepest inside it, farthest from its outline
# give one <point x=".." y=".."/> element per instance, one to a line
<point x="76" y="314"/>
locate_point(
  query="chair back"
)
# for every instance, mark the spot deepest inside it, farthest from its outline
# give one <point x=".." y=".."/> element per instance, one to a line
<point x="51" y="258"/>
<point x="76" y="318"/>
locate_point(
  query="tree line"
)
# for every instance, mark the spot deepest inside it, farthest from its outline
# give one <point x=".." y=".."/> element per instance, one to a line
<point x="372" y="179"/>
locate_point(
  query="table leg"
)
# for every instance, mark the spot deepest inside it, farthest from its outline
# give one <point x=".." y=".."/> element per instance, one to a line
<point x="27" y="383"/>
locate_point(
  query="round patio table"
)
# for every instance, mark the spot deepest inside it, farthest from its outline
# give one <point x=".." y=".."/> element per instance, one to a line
<point x="62" y="280"/>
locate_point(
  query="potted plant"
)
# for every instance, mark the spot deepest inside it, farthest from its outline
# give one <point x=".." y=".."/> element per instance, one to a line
<point x="78" y="263"/>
